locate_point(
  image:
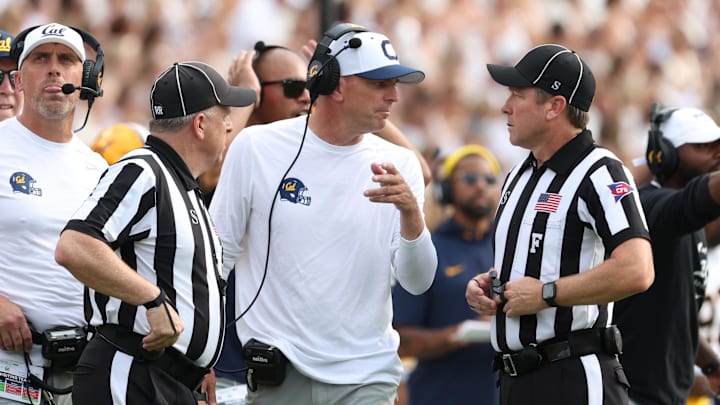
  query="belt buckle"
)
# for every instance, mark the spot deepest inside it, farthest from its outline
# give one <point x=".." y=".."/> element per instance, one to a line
<point x="509" y="365"/>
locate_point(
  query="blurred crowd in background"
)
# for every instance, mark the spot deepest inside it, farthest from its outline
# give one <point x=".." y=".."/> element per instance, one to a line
<point x="639" y="50"/>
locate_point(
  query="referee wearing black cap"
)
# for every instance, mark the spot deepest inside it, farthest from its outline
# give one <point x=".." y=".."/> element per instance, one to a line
<point x="144" y="245"/>
<point x="570" y="239"/>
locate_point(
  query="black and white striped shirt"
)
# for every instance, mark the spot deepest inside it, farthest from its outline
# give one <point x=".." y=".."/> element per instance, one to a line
<point x="149" y="209"/>
<point x="561" y="219"/>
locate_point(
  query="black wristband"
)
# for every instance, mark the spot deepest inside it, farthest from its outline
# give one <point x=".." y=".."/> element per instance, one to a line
<point x="710" y="367"/>
<point x="159" y="300"/>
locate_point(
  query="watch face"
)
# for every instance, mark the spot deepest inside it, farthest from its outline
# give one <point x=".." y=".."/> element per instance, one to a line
<point x="548" y="291"/>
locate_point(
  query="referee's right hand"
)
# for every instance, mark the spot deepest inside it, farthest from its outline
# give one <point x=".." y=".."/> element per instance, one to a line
<point x="478" y="294"/>
<point x="165" y="327"/>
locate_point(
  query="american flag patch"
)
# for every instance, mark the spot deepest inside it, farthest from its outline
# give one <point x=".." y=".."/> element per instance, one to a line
<point x="548" y="202"/>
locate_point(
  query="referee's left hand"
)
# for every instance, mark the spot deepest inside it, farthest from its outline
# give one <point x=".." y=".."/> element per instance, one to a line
<point x="165" y="327"/>
<point x="523" y="297"/>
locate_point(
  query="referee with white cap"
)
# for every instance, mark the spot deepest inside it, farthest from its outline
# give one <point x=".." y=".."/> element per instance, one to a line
<point x="570" y="239"/>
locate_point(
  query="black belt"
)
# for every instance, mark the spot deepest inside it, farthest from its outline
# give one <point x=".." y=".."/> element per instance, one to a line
<point x="179" y="366"/>
<point x="579" y="343"/>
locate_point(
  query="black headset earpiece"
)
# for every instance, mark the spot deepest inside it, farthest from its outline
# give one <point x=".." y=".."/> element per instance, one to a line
<point x="92" y="69"/>
<point x="661" y="155"/>
<point x="17" y="45"/>
<point x="443" y="191"/>
<point x="260" y="49"/>
<point x="324" y="70"/>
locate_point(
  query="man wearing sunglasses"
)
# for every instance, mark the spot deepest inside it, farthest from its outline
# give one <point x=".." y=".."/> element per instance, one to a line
<point x="281" y="73"/>
<point x="438" y="328"/>
<point x="10" y="100"/>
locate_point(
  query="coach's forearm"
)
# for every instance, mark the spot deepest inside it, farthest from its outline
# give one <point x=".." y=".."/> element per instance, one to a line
<point x="416" y="263"/>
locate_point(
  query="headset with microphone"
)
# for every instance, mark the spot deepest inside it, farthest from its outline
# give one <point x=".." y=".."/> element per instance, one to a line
<point x="69" y="88"/>
<point x="322" y="78"/>
<point x="324" y="70"/>
<point x="93" y="70"/>
<point x="661" y="155"/>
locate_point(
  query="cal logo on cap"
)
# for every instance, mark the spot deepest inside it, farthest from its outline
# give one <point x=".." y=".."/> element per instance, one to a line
<point x="5" y="44"/>
<point x="53" y="30"/>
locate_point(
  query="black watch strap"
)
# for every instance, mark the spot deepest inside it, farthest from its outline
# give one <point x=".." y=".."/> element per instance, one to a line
<point x="159" y="300"/>
<point x="711" y="367"/>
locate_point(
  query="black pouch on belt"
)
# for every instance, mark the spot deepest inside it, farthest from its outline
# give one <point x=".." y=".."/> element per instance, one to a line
<point x="266" y="364"/>
<point x="612" y="340"/>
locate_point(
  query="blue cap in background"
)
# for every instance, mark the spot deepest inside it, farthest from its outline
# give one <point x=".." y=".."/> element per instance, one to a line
<point x="5" y="44"/>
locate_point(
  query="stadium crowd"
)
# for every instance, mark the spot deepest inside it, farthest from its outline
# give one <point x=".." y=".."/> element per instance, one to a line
<point x="641" y="51"/>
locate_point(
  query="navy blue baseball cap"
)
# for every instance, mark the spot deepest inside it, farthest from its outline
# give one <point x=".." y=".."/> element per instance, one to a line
<point x="553" y="68"/>
<point x="5" y="44"/>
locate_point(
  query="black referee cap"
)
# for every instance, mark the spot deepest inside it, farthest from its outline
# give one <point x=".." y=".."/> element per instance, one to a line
<point x="188" y="87"/>
<point x="553" y="68"/>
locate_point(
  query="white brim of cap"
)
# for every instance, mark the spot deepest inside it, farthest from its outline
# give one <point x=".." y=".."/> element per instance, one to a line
<point x="77" y="48"/>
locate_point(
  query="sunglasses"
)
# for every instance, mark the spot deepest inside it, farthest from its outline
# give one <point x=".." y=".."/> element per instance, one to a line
<point x="292" y="88"/>
<point x="11" y="76"/>
<point x="471" y="178"/>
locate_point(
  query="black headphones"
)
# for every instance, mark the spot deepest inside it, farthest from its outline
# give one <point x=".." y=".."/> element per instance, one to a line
<point x="444" y="191"/>
<point x="661" y="155"/>
<point x="92" y="69"/>
<point x="260" y="49"/>
<point x="324" y="71"/>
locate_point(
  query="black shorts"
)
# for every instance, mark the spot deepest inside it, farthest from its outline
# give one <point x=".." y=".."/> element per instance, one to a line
<point x="570" y="381"/>
<point x="107" y="376"/>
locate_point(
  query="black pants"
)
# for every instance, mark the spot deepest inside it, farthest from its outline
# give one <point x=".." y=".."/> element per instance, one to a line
<point x="106" y="376"/>
<point x="568" y="382"/>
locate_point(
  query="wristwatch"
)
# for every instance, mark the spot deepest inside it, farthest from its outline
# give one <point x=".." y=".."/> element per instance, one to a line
<point x="549" y="291"/>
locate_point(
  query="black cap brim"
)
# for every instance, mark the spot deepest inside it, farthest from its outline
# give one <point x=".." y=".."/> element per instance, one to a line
<point x="508" y="76"/>
<point x="238" y="97"/>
